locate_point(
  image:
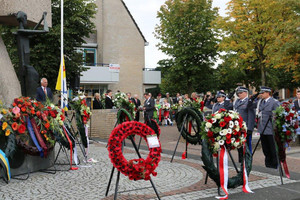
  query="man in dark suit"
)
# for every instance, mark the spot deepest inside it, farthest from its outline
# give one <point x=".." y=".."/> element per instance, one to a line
<point x="149" y="106"/>
<point x="97" y="103"/>
<point x="137" y="104"/>
<point x="222" y="102"/>
<point x="108" y="100"/>
<point x="129" y="97"/>
<point x="43" y="92"/>
<point x="297" y="101"/>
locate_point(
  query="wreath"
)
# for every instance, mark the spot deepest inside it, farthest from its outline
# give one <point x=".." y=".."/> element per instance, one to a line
<point x="191" y="115"/>
<point x="123" y="116"/>
<point x="224" y="130"/>
<point x="285" y="127"/>
<point x="135" y="169"/>
<point x="212" y="171"/>
<point x="154" y="126"/>
<point x="32" y="125"/>
<point x="121" y="101"/>
<point x="83" y="115"/>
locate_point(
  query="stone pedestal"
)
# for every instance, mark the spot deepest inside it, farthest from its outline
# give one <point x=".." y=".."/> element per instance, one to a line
<point x="34" y="163"/>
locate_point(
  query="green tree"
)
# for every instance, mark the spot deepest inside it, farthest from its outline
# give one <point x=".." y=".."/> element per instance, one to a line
<point x="186" y="36"/>
<point x="261" y="36"/>
<point x="45" y="49"/>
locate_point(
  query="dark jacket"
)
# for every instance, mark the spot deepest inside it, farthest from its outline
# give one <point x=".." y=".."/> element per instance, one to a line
<point x="40" y="94"/>
<point x="108" y="103"/>
<point x="296" y="104"/>
<point x="97" y="104"/>
<point x="149" y="108"/>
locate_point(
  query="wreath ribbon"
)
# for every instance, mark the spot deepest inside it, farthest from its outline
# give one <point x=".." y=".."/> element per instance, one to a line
<point x="246" y="188"/>
<point x="183" y="156"/>
<point x="159" y="116"/>
<point x="5" y="164"/>
<point x="71" y="149"/>
<point x="39" y="138"/>
<point x="32" y="135"/>
<point x="223" y="170"/>
<point x="286" y="169"/>
<point x="87" y="137"/>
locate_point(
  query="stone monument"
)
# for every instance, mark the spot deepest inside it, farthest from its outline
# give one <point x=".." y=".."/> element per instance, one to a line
<point x="9" y="84"/>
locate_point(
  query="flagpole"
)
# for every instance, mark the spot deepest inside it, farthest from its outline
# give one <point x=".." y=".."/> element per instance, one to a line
<point x="62" y="51"/>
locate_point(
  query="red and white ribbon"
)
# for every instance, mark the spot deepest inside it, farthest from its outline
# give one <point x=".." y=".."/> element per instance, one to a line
<point x="223" y="170"/>
<point x="246" y="188"/>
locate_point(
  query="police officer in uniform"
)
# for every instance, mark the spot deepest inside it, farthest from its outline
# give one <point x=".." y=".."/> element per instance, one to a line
<point x="248" y="113"/>
<point x="222" y="102"/>
<point x="265" y="107"/>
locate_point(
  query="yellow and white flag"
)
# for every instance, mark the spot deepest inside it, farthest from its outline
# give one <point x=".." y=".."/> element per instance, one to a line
<point x="61" y="85"/>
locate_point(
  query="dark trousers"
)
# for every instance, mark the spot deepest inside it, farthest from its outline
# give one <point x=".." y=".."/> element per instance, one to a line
<point x="249" y="143"/>
<point x="137" y="116"/>
<point x="269" y="150"/>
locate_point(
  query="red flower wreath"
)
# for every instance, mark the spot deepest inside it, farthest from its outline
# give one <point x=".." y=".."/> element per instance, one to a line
<point x="135" y="169"/>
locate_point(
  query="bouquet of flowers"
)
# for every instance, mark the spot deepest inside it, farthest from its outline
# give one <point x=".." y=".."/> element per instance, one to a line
<point x="80" y="106"/>
<point x="166" y="107"/>
<point x="286" y="122"/>
<point x="121" y="101"/>
<point x="199" y="105"/>
<point x="224" y="128"/>
<point x="32" y="122"/>
<point x="175" y="106"/>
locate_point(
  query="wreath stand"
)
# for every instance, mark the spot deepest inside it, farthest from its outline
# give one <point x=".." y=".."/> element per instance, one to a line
<point x="76" y="136"/>
<point x="118" y="174"/>
<point x="180" y="134"/>
<point x="276" y="149"/>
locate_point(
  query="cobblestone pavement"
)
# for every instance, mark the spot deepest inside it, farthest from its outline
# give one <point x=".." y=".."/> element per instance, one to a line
<point x="182" y="179"/>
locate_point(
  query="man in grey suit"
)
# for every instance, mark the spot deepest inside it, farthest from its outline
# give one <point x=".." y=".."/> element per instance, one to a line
<point x="222" y="102"/>
<point x="149" y="107"/>
<point x="248" y="113"/>
<point x="265" y="108"/>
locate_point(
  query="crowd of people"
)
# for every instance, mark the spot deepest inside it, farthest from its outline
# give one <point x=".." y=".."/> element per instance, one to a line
<point x="256" y="110"/>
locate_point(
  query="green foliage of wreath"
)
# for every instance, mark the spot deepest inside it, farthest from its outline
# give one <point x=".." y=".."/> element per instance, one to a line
<point x="192" y="114"/>
<point x="213" y="173"/>
<point x="122" y="114"/>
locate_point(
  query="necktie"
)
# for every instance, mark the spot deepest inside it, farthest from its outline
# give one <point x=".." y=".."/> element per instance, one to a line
<point x="45" y="91"/>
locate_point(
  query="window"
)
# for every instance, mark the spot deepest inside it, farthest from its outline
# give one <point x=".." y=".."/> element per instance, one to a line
<point x="89" y="57"/>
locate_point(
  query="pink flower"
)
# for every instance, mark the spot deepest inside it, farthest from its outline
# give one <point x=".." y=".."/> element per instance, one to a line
<point x="16" y="110"/>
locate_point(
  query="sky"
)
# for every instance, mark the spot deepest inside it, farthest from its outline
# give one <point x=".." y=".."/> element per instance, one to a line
<point x="144" y="12"/>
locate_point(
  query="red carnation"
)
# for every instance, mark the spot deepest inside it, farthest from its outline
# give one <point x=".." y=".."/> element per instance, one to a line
<point x="228" y="136"/>
<point x="222" y="110"/>
<point x="228" y="141"/>
<point x="288" y="132"/>
<point x="47" y="125"/>
<point x="287" y="109"/>
<point x="21" y="129"/>
<point x="222" y="124"/>
<point x="296" y="126"/>
<point x="227" y="119"/>
<point x="14" y="126"/>
<point x="23" y="109"/>
<point x="210" y="134"/>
